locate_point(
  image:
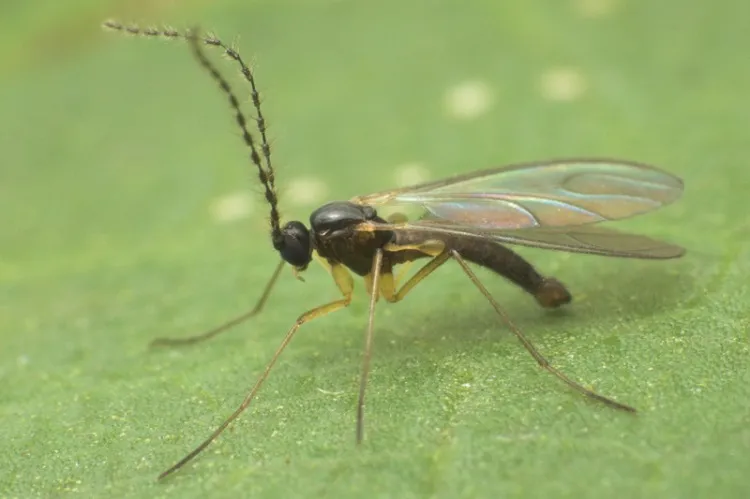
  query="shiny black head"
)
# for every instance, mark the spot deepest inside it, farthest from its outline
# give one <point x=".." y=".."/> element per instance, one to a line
<point x="294" y="245"/>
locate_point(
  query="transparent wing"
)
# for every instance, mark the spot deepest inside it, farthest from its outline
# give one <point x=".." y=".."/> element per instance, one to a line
<point x="547" y="194"/>
<point x="577" y="239"/>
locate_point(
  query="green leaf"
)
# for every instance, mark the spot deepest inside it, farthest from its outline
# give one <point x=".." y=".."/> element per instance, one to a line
<point x="132" y="212"/>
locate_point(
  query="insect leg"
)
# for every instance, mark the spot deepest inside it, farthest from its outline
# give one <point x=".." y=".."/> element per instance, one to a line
<point x="393" y="296"/>
<point x="401" y="273"/>
<point x="386" y="287"/>
<point x="543" y="362"/>
<point x="389" y="283"/>
<point x="346" y="285"/>
<point x="230" y="323"/>
<point x="375" y="281"/>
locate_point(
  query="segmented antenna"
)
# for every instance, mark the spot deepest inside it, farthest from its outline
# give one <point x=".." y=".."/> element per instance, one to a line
<point x="266" y="175"/>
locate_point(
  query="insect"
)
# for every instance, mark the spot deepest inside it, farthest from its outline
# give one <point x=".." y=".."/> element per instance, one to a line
<point x="464" y="219"/>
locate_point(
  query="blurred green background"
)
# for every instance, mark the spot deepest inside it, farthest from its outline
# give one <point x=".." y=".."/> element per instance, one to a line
<point x="130" y="212"/>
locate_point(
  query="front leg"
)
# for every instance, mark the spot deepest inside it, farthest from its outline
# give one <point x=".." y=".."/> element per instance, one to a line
<point x="345" y="283"/>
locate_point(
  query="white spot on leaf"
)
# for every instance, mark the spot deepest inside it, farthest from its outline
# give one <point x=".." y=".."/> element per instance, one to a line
<point x="232" y="207"/>
<point x="305" y="191"/>
<point x="595" y="8"/>
<point x="410" y="174"/>
<point x="468" y="100"/>
<point x="562" y="84"/>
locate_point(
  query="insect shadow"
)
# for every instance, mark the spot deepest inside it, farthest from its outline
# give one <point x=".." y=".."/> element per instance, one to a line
<point x="468" y="218"/>
<point x="452" y="317"/>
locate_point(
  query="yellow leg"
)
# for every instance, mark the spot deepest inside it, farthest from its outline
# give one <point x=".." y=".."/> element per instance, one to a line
<point x="401" y="273"/>
<point x="345" y="284"/>
<point x="323" y="262"/>
<point x="388" y="283"/>
<point x="431" y="247"/>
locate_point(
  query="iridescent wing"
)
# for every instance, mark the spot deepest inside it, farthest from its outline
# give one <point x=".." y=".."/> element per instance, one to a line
<point x="547" y="205"/>
<point x="548" y="194"/>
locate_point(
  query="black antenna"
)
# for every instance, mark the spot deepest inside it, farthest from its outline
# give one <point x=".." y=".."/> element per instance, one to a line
<point x="266" y="175"/>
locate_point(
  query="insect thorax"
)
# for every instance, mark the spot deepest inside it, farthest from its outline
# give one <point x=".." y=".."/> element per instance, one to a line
<point x="336" y="238"/>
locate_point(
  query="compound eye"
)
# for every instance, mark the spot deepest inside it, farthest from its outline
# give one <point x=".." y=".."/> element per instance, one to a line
<point x="295" y="246"/>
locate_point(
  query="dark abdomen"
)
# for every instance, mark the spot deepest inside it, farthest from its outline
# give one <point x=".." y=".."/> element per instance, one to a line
<point x="549" y="292"/>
